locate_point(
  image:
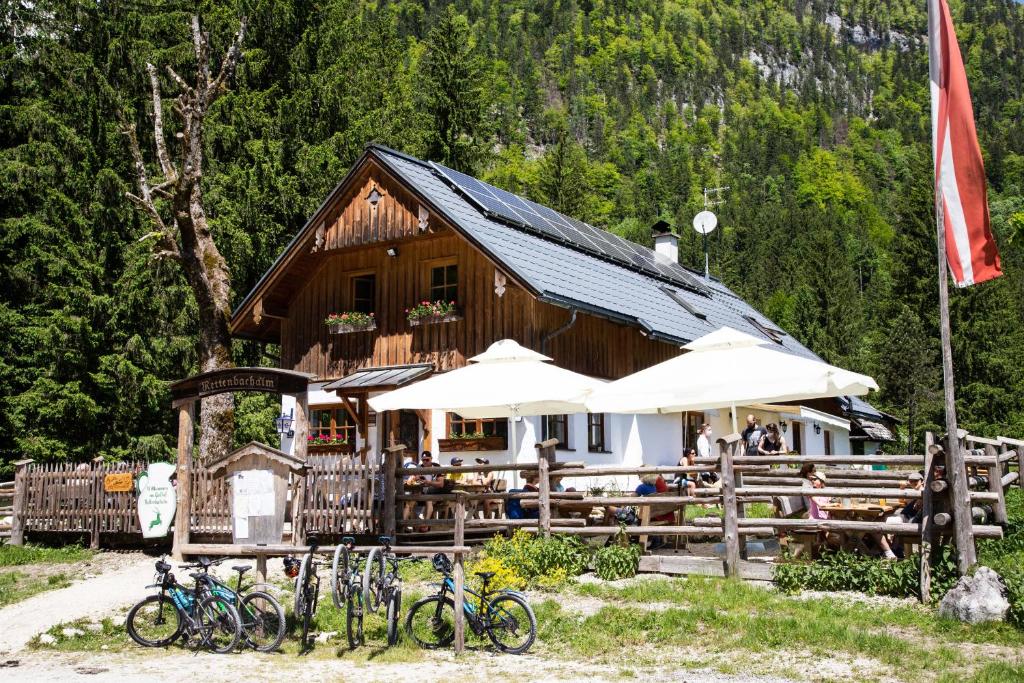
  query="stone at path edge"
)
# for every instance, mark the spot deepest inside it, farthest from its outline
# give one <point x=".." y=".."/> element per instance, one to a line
<point x="976" y="599"/>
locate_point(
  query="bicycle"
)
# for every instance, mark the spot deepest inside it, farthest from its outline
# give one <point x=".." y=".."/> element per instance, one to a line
<point x="181" y="612"/>
<point x="307" y="587"/>
<point x="383" y="585"/>
<point x="346" y="589"/>
<point x="506" y="617"/>
<point x="262" y="615"/>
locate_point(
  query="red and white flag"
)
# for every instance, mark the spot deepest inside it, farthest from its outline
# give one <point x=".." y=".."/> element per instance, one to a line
<point x="960" y="194"/>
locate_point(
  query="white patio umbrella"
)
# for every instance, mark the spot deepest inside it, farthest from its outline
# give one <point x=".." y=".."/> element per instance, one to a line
<point x="723" y="369"/>
<point x="507" y="380"/>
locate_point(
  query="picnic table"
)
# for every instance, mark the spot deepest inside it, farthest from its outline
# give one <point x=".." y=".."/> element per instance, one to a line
<point x="867" y="512"/>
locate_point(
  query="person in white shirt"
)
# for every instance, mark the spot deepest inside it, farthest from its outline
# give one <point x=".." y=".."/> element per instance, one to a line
<point x="704" y="441"/>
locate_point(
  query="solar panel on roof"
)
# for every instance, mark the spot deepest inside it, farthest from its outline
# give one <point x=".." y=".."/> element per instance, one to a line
<point x="523" y="213"/>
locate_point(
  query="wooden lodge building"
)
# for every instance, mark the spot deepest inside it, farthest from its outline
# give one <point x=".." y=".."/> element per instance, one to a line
<point x="397" y="231"/>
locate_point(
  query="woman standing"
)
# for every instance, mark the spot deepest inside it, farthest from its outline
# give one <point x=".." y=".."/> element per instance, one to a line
<point x="772" y="443"/>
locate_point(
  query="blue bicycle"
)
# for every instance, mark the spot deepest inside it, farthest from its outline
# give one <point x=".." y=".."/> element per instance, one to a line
<point x="503" y="615"/>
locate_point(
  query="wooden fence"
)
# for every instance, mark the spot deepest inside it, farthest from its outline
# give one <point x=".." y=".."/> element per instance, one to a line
<point x="744" y="480"/>
<point x="69" y="498"/>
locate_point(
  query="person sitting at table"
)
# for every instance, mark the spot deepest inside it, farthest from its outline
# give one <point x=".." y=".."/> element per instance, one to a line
<point x="772" y="442"/>
<point x="648" y="487"/>
<point x="813" y="502"/>
<point x="514" y="507"/>
<point x="413" y="484"/>
<point x="486" y="481"/>
<point x="432" y="485"/>
<point x="688" y="479"/>
<point x="910" y="513"/>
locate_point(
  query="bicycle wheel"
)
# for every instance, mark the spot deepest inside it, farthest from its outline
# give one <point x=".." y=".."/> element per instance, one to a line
<point x="394" y="612"/>
<point x="154" y="621"/>
<point x="373" y="579"/>
<point x="220" y="627"/>
<point x="431" y="622"/>
<point x="262" y="621"/>
<point x="300" y="583"/>
<point x="339" y="575"/>
<point x="511" y="625"/>
<point x="354" y="617"/>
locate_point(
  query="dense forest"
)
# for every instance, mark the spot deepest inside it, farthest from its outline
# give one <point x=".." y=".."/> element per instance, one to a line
<point x="814" y="113"/>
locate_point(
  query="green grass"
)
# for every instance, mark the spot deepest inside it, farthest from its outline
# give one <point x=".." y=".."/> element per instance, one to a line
<point x="16" y="586"/>
<point x="17" y="555"/>
<point x="754" y="511"/>
<point x="736" y="620"/>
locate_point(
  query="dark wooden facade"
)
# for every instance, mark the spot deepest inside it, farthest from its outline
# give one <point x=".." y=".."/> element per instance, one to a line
<point x="350" y="238"/>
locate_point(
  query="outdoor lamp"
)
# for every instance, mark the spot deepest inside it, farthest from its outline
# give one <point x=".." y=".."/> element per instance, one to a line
<point x="784" y="426"/>
<point x="284" y="425"/>
<point x="391" y="251"/>
<point x="817" y="428"/>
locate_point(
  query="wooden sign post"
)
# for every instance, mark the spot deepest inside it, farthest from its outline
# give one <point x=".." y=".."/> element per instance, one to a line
<point x="267" y="380"/>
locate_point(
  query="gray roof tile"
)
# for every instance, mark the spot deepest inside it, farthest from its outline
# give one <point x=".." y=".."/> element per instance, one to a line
<point x="572" y="277"/>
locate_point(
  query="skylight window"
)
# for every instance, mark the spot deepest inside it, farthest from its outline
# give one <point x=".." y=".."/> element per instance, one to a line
<point x="770" y="332"/>
<point x="689" y="307"/>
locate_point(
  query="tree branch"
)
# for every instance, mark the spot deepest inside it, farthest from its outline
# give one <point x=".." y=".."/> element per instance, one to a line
<point x="227" y="67"/>
<point x="170" y="175"/>
<point x="200" y="45"/>
<point x="179" y="80"/>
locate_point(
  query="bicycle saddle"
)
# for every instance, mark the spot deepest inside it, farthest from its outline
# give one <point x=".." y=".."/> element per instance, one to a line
<point x="241" y="569"/>
<point x="486" y="576"/>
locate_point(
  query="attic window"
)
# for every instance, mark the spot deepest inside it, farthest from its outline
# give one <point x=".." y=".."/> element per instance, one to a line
<point x="679" y="299"/>
<point x="770" y="332"/>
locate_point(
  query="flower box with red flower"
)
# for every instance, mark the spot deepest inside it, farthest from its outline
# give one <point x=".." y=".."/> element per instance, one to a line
<point x="431" y="312"/>
<point x="326" y="443"/>
<point x="349" y="322"/>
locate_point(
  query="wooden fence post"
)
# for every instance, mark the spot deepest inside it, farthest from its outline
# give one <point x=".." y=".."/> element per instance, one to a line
<point x="20" y="503"/>
<point x="995" y="484"/>
<point x="960" y="501"/>
<point x="301" y="451"/>
<point x="460" y="574"/>
<point x="925" y="575"/>
<point x="97" y="502"/>
<point x="392" y="459"/>
<point x="730" y="527"/>
<point x="183" y="484"/>
<point x="545" y="454"/>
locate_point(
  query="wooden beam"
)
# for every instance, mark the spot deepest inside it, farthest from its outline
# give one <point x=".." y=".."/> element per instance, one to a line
<point x="927" y="528"/>
<point x="301" y="443"/>
<point x="20" y="503"/>
<point x="729" y="448"/>
<point x="425" y="417"/>
<point x="460" y="576"/>
<point x="183" y="513"/>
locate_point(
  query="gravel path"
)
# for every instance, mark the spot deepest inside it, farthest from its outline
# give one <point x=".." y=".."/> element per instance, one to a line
<point x="95" y="596"/>
<point x="440" y="666"/>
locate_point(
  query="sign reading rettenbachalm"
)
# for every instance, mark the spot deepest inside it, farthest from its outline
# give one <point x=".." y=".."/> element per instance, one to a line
<point x="267" y="380"/>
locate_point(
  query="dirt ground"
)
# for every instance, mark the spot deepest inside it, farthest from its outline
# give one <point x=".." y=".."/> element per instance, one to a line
<point x="441" y="666"/>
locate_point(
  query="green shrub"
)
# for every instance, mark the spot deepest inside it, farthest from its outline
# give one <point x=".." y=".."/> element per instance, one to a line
<point x="1006" y="555"/>
<point x="534" y="562"/>
<point x="842" y="570"/>
<point x="617" y="562"/>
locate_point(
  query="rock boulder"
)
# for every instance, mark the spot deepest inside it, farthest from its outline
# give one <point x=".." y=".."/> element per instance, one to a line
<point x="976" y="599"/>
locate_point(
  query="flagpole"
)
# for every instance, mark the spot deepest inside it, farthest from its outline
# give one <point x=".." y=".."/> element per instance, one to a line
<point x="955" y="468"/>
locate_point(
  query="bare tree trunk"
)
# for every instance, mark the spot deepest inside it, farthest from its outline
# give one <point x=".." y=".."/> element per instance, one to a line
<point x="185" y="236"/>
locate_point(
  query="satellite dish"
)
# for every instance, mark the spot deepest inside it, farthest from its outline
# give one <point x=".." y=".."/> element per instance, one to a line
<point x="704" y="222"/>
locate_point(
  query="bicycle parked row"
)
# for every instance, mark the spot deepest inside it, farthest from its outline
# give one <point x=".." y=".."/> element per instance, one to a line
<point x="215" y="616"/>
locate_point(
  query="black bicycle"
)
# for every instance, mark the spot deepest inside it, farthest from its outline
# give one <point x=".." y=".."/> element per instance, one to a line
<point x="503" y="615"/>
<point x="193" y="614"/>
<point x="382" y="585"/>
<point x="307" y="587"/>
<point x="262" y="616"/>
<point x="346" y="589"/>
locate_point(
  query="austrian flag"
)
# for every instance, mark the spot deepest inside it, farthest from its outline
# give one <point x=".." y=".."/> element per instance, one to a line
<point x="960" y="195"/>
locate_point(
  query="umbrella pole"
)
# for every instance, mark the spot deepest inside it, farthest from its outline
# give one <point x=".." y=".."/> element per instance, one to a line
<point x="515" y="446"/>
<point x="735" y="429"/>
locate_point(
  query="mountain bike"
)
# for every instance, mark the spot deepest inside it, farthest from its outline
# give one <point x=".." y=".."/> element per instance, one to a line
<point x="262" y="615"/>
<point x="383" y="586"/>
<point x="346" y="589"/>
<point x="307" y="587"/>
<point x="503" y="615"/>
<point x="193" y="614"/>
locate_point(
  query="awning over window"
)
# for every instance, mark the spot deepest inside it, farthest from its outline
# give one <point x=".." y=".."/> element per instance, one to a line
<point x="377" y="379"/>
